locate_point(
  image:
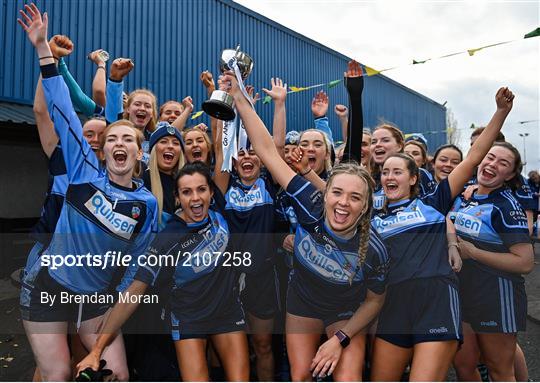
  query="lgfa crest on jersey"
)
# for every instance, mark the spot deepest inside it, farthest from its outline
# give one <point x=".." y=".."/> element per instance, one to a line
<point x="135" y="212"/>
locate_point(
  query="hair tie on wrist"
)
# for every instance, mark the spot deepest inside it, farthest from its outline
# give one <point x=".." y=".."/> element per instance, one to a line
<point x="101" y="67"/>
<point x="303" y="174"/>
<point x="46" y="57"/>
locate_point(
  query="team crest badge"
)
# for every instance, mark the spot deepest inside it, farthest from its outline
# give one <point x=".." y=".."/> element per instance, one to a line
<point x="171" y="130"/>
<point x="135" y="212"/>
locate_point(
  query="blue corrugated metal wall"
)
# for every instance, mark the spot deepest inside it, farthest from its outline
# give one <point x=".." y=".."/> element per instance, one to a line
<point x="172" y="41"/>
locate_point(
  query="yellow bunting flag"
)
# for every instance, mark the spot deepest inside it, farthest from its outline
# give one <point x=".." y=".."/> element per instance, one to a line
<point x="297" y="89"/>
<point x="370" y="71"/>
<point x="473" y="51"/>
<point x="197" y="115"/>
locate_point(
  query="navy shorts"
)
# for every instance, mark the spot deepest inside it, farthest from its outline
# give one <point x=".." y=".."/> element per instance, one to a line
<point x="260" y="295"/>
<point x="37" y="289"/>
<point x="421" y="310"/>
<point x="231" y="321"/>
<point x="492" y="304"/>
<point x="298" y="306"/>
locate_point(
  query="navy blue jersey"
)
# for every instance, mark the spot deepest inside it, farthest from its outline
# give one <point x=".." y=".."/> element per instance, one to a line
<point x="203" y="278"/>
<point x="285" y="211"/>
<point x="525" y="196"/>
<point x="249" y="211"/>
<point x="168" y="187"/>
<point x="98" y="216"/>
<point x="54" y="199"/>
<point x="426" y="185"/>
<point x="493" y="223"/>
<point x="324" y="262"/>
<point x="415" y="233"/>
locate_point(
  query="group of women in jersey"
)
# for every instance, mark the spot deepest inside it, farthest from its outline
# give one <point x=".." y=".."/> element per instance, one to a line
<point x="386" y="266"/>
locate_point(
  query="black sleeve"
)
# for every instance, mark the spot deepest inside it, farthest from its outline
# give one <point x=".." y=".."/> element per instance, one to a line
<point x="355" y="87"/>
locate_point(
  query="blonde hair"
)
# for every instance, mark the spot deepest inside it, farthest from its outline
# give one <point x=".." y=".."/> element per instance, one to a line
<point x="138" y="136"/>
<point x="151" y="126"/>
<point x="206" y="139"/>
<point x="162" y="107"/>
<point x="364" y="220"/>
<point x="327" y="160"/>
<point x="155" y="177"/>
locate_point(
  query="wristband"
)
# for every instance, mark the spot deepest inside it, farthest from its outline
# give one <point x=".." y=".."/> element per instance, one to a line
<point x="47" y="57"/>
<point x="450" y="244"/>
<point x="343" y="338"/>
<point x="303" y="174"/>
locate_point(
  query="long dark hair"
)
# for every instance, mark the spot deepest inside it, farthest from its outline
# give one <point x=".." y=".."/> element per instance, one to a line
<point x="413" y="170"/>
<point x="515" y="182"/>
<point x="197" y="167"/>
<point x="448" y="146"/>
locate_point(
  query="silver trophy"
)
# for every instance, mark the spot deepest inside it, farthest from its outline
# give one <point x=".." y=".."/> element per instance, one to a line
<point x="221" y="104"/>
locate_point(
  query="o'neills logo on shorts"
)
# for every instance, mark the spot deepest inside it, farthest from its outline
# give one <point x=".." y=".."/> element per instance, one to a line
<point x="401" y="219"/>
<point x="491" y="323"/>
<point x="102" y="209"/>
<point x="468" y="224"/>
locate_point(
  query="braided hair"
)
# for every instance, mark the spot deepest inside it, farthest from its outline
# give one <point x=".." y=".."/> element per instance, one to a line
<point x="363" y="223"/>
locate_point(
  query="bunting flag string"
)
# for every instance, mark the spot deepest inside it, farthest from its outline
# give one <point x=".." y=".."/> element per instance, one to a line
<point x="368" y="71"/>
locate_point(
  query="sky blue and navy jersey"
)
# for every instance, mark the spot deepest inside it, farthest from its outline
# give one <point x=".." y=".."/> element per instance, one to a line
<point x="426" y="185"/>
<point x="98" y="216"/>
<point x="249" y="211"/>
<point x="324" y="262"/>
<point x="168" y="187"/>
<point x="203" y="278"/>
<point x="54" y="198"/>
<point x="523" y="194"/>
<point x="414" y="231"/>
<point x="491" y="222"/>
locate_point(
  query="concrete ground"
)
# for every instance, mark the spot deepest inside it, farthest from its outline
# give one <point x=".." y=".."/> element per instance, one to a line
<point x="17" y="363"/>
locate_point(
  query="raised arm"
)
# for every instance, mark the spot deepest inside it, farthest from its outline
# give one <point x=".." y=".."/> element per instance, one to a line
<point x="81" y="162"/>
<point x="47" y="135"/>
<point x="181" y="120"/>
<point x="208" y="81"/>
<point x="115" y="86"/>
<point x="259" y="136"/>
<point x="319" y="108"/>
<point x="462" y="173"/>
<point x="99" y="84"/>
<point x="343" y="114"/>
<point x="354" y="82"/>
<point x="221" y="179"/>
<point x="62" y="46"/>
<point x="279" y="129"/>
